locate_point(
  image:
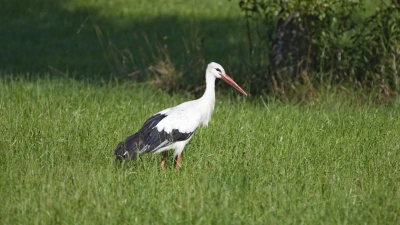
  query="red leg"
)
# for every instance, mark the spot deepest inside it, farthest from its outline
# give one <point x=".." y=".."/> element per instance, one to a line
<point x="178" y="162"/>
<point x="163" y="160"/>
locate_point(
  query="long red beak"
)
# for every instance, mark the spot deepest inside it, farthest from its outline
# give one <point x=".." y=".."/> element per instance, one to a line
<point x="231" y="82"/>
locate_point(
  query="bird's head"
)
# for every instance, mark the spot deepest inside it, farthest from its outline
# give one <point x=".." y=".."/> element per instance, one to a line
<point x="218" y="71"/>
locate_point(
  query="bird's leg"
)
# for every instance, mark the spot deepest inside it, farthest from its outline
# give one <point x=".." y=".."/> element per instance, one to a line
<point x="163" y="160"/>
<point x="178" y="162"/>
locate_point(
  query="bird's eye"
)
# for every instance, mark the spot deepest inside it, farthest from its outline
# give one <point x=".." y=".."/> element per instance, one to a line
<point x="218" y="70"/>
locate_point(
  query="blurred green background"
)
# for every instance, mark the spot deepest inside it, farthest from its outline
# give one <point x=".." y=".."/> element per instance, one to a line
<point x="78" y="36"/>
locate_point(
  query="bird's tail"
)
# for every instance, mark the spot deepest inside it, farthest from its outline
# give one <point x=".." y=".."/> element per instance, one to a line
<point x="124" y="153"/>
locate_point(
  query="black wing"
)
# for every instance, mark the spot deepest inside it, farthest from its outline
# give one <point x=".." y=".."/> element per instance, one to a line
<point x="148" y="139"/>
<point x="159" y="139"/>
<point x="129" y="148"/>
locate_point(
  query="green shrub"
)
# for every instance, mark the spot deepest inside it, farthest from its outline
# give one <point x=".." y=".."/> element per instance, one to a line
<point x="318" y="42"/>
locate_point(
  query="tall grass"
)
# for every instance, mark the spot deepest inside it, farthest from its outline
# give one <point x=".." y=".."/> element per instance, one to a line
<point x="258" y="162"/>
<point x="43" y="34"/>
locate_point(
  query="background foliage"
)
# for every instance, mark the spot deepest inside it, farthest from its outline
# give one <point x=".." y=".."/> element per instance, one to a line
<point x="324" y="42"/>
<point x="290" y="49"/>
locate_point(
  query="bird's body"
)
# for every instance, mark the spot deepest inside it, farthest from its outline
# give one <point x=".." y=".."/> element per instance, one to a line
<point x="173" y="128"/>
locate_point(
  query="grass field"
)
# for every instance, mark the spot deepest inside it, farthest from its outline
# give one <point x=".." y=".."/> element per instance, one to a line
<point x="60" y="36"/>
<point x="48" y="35"/>
<point x="255" y="164"/>
<point x="64" y="107"/>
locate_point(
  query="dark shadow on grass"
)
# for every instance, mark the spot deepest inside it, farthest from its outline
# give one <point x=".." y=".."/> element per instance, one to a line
<point x="41" y="36"/>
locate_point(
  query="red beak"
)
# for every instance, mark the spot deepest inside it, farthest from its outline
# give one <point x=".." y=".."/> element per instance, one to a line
<point x="230" y="81"/>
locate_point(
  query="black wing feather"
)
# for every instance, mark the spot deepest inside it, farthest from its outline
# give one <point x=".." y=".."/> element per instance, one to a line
<point x="148" y="139"/>
<point x="129" y="148"/>
<point x="156" y="139"/>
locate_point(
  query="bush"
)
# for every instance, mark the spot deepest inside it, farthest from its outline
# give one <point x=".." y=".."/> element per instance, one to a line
<point x="319" y="42"/>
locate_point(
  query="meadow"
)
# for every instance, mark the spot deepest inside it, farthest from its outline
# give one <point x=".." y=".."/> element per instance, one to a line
<point x="95" y="38"/>
<point x="65" y="104"/>
<point x="258" y="162"/>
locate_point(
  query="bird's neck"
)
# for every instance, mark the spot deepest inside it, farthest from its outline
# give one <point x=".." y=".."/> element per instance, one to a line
<point x="209" y="94"/>
<point x="210" y="87"/>
<point x="208" y="100"/>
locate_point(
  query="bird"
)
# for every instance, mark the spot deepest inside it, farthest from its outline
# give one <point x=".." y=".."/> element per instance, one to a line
<point x="173" y="128"/>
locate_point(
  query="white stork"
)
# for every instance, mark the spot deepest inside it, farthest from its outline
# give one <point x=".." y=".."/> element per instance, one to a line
<point x="173" y="128"/>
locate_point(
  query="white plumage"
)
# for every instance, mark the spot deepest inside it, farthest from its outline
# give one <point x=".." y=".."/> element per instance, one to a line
<point x="173" y="128"/>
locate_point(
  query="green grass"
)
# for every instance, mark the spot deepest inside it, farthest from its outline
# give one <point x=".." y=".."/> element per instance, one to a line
<point x="42" y="34"/>
<point x="53" y="36"/>
<point x="334" y="162"/>
<point x="255" y="163"/>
